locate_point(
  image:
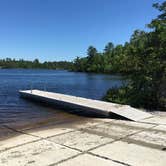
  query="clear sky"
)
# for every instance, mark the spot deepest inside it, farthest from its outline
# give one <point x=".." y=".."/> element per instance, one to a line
<point x="63" y="29"/>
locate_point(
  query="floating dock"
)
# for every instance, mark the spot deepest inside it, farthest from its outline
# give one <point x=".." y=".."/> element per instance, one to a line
<point x="101" y="107"/>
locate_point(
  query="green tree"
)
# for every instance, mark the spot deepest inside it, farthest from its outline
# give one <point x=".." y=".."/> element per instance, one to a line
<point x="145" y="56"/>
<point x="108" y="48"/>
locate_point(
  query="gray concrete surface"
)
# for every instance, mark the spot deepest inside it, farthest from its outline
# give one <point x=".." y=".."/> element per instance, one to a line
<point x="99" y="142"/>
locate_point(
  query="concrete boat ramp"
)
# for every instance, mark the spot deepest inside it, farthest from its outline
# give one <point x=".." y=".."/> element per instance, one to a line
<point x="84" y="141"/>
<point x="100" y="107"/>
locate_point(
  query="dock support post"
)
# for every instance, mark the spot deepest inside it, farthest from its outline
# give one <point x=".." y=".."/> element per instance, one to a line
<point x="31" y="87"/>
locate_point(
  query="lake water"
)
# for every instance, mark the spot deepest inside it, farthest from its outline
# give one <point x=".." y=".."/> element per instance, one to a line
<point x="16" y="111"/>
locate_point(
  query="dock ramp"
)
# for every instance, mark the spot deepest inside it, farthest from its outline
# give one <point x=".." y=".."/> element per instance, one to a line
<point x="102" y="107"/>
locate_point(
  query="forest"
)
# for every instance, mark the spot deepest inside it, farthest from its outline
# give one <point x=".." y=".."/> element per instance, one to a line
<point x="142" y="60"/>
<point x="36" y="64"/>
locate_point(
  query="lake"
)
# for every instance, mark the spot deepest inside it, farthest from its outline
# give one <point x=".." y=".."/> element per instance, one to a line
<point x="20" y="112"/>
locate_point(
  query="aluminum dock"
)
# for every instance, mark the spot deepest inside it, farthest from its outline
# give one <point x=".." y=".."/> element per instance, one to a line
<point x="101" y="107"/>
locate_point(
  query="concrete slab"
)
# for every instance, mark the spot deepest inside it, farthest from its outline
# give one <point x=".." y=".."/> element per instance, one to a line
<point x="16" y="141"/>
<point x="86" y="159"/>
<point x="56" y="129"/>
<point x="156" y="120"/>
<point x="45" y="132"/>
<point x="88" y="122"/>
<point x="116" y="130"/>
<point x="82" y="103"/>
<point x="40" y="153"/>
<point x="80" y="140"/>
<point x="131" y="124"/>
<point x="152" y="138"/>
<point x="132" y="154"/>
<point x="161" y="127"/>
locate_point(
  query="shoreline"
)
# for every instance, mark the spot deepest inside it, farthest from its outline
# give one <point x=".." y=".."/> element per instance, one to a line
<point x="52" y="121"/>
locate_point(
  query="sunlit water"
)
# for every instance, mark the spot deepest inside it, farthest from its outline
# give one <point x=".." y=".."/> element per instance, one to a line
<point x="15" y="110"/>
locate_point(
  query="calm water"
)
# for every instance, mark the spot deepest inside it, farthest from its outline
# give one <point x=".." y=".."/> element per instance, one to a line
<point x="14" y="110"/>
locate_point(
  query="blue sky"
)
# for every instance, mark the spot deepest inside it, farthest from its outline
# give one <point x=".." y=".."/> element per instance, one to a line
<point x="53" y="30"/>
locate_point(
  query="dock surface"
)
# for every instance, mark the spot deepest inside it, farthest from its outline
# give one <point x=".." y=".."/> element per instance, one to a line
<point x="101" y="107"/>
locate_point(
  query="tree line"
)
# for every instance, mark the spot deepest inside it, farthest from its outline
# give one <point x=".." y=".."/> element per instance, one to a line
<point x="142" y="60"/>
<point x="12" y="63"/>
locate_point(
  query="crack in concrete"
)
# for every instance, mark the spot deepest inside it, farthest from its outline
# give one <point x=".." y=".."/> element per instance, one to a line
<point x="127" y="126"/>
<point x="142" y="143"/>
<point x="1" y="151"/>
<point x="107" y="158"/>
<point x="67" y="159"/>
<point x="119" y="139"/>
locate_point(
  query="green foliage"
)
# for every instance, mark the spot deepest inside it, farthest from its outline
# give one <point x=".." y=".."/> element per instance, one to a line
<point x="118" y="95"/>
<point x="108" y="48"/>
<point x="142" y="60"/>
<point x="12" y="63"/>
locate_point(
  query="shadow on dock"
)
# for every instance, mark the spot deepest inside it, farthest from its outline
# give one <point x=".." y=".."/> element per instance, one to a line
<point x="79" y="112"/>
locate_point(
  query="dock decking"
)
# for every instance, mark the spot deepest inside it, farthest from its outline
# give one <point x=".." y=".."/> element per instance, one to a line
<point x="102" y="107"/>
